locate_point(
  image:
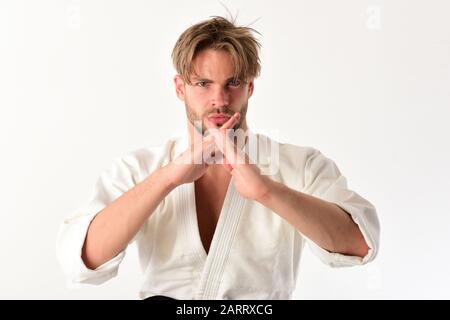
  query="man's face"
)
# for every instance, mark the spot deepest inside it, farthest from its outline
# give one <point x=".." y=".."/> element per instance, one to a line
<point x="214" y="93"/>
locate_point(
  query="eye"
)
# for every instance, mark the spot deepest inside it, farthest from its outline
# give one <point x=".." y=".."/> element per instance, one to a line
<point x="234" y="83"/>
<point x="201" y="84"/>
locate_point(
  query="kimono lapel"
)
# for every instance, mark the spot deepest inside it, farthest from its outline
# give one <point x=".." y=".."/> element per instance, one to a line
<point x="221" y="244"/>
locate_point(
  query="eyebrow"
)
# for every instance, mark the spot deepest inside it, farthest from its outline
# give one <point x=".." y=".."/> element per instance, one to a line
<point x="208" y="80"/>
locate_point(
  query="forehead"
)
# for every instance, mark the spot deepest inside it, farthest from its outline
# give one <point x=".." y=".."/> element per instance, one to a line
<point x="212" y="64"/>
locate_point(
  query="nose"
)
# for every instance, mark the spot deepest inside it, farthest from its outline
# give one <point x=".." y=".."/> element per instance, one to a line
<point x="220" y="97"/>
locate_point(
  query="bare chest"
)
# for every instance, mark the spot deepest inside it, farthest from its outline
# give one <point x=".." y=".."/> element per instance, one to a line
<point x="209" y="198"/>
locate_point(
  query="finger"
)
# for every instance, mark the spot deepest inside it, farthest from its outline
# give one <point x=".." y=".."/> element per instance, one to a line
<point x="229" y="147"/>
<point x="228" y="167"/>
<point x="207" y="143"/>
<point x="196" y="150"/>
<point x="210" y="152"/>
<point x="231" y="122"/>
<point x="223" y="142"/>
<point x="208" y="139"/>
<point x="234" y="156"/>
<point x="213" y="130"/>
<point x="209" y="125"/>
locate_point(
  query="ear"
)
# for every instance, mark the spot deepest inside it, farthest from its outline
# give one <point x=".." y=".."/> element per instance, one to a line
<point x="179" y="87"/>
<point x="251" y="86"/>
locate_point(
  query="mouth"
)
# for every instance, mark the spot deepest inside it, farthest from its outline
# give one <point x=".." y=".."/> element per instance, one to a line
<point x="219" y="119"/>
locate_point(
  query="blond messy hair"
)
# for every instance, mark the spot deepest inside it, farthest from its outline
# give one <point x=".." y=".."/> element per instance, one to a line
<point x="220" y="34"/>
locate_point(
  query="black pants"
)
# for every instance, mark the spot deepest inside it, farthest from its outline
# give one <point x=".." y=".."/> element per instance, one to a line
<point x="159" y="298"/>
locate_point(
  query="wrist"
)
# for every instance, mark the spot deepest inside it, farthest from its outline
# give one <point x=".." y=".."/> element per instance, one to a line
<point x="167" y="178"/>
<point x="267" y="190"/>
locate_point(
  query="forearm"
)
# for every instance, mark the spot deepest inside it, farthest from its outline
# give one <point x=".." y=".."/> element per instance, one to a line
<point x="115" y="226"/>
<point x="323" y="222"/>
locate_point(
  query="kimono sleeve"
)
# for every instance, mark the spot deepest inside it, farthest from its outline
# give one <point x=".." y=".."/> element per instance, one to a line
<point x="324" y="180"/>
<point x="112" y="183"/>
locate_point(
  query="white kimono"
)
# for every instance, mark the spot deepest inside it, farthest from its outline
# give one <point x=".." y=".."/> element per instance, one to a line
<point x="254" y="253"/>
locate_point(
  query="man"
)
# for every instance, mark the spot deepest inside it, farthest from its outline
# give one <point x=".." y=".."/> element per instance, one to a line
<point x="213" y="229"/>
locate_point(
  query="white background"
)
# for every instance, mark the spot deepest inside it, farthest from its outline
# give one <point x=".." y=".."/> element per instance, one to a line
<point x="365" y="82"/>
